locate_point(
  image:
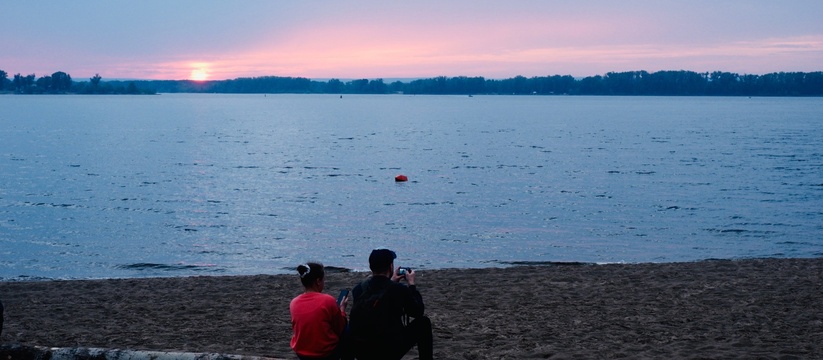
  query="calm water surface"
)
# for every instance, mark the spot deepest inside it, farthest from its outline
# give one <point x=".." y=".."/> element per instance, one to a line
<point x="169" y="185"/>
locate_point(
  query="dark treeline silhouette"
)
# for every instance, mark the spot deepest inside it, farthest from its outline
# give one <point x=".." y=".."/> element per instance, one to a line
<point x="669" y="83"/>
<point x="62" y="83"/>
<point x="687" y="83"/>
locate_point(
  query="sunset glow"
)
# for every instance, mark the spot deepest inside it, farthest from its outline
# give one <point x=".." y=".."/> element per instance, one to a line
<point x="424" y="39"/>
<point x="199" y="75"/>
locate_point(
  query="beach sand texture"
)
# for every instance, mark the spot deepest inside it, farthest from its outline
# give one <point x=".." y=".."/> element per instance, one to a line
<point x="769" y="308"/>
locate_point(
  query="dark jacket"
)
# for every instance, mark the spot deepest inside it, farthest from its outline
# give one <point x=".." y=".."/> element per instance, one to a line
<point x="398" y="300"/>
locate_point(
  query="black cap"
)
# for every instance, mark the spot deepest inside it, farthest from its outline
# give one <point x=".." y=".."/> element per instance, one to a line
<point x="381" y="259"/>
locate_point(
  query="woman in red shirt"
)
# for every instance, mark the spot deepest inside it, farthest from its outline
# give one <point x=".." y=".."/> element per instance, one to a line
<point x="317" y="321"/>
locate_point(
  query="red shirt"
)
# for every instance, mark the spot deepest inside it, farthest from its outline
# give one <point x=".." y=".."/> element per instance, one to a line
<point x="317" y="323"/>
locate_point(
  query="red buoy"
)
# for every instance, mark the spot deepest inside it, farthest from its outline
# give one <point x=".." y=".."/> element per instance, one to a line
<point x="401" y="178"/>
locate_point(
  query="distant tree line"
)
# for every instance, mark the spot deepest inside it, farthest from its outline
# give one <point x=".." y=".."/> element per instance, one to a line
<point x="668" y="83"/>
<point x="62" y="83"/>
<point x="687" y="83"/>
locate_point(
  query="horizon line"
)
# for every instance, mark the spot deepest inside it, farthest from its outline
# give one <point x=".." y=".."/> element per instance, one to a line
<point x="409" y="79"/>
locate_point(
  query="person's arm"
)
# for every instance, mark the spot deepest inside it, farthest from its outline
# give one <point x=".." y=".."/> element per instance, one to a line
<point x="413" y="301"/>
<point x="339" y="320"/>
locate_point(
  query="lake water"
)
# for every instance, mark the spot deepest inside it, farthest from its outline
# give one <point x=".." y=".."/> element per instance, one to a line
<point x="172" y="185"/>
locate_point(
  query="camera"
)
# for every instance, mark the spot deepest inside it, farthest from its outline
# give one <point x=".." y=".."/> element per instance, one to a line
<point x="403" y="270"/>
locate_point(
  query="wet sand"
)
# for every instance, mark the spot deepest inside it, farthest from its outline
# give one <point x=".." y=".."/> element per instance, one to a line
<point x="770" y="308"/>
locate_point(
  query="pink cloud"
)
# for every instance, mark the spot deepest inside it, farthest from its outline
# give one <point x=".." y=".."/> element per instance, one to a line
<point x="349" y="55"/>
<point x="420" y="44"/>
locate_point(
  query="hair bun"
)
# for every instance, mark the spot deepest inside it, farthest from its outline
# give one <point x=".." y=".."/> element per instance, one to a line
<point x="303" y="270"/>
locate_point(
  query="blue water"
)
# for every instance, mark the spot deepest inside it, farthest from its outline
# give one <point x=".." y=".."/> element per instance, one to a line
<point x="172" y="185"/>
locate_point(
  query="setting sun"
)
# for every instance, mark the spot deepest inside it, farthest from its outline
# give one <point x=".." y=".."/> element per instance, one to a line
<point x="199" y="74"/>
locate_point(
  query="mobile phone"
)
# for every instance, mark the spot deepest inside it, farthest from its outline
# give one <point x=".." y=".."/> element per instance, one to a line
<point x="342" y="295"/>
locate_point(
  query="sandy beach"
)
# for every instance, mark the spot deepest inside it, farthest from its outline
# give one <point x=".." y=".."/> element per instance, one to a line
<point x="745" y="309"/>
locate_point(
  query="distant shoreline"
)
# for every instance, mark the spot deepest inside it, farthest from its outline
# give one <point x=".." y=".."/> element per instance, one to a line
<point x="401" y="94"/>
<point x="631" y="83"/>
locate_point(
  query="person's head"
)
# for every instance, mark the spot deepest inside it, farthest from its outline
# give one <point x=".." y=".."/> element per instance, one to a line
<point x="381" y="261"/>
<point x="312" y="275"/>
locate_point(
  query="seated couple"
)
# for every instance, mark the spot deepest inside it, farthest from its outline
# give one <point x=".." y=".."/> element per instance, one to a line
<point x="378" y="327"/>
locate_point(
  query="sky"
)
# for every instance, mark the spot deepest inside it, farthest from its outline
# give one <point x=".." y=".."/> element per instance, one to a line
<point x="389" y="39"/>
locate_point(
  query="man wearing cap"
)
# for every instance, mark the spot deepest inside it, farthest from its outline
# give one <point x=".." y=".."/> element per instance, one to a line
<point x="379" y="317"/>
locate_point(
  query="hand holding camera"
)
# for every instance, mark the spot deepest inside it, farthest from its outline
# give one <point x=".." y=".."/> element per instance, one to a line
<point x="405" y="273"/>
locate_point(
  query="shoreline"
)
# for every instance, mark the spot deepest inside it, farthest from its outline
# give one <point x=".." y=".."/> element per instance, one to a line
<point x="748" y="308"/>
<point x="330" y="269"/>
